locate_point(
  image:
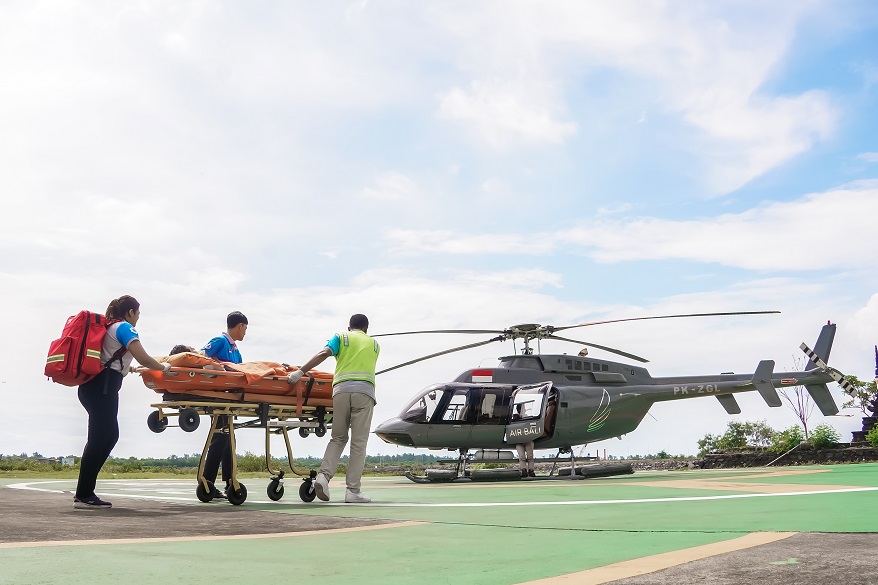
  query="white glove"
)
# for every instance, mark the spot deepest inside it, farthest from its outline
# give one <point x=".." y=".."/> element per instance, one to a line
<point x="165" y="366"/>
<point x="295" y="376"/>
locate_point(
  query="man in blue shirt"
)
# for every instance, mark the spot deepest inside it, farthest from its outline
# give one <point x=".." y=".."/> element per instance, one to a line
<point x="223" y="348"/>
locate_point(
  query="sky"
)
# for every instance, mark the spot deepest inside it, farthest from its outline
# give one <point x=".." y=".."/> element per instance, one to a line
<point x="438" y="166"/>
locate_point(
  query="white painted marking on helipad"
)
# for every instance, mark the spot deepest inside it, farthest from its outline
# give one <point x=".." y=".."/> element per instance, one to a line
<point x="121" y="494"/>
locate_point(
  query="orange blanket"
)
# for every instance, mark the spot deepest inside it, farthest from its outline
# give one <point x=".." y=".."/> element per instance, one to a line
<point x="253" y="371"/>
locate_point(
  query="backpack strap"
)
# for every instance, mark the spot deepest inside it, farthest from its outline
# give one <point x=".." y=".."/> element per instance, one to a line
<point x="119" y="352"/>
<point x="117" y="356"/>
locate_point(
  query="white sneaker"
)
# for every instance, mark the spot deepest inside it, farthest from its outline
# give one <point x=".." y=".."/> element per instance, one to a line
<point x="321" y="487"/>
<point x="356" y="498"/>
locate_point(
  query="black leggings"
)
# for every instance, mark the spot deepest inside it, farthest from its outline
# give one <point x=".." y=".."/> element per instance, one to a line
<point x="100" y="398"/>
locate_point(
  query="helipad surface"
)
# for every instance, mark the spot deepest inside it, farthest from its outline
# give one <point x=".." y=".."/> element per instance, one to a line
<point x="798" y="525"/>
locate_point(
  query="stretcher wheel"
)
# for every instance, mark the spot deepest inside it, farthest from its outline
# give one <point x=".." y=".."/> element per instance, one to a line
<point x="303" y="432"/>
<point x="189" y="419"/>
<point x="202" y="494"/>
<point x="155" y="423"/>
<point x="320" y="431"/>
<point x="237" y="496"/>
<point x="275" y="490"/>
<point x="306" y="492"/>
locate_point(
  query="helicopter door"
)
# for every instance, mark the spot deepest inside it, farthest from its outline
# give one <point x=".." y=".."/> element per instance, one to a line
<point x="528" y="419"/>
<point x="451" y="423"/>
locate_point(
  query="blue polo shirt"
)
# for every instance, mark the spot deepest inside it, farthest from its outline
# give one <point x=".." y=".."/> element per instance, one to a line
<point x="223" y="348"/>
<point x="334" y="344"/>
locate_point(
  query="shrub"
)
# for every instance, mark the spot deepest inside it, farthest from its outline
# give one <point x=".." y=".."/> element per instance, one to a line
<point x="783" y="441"/>
<point x="824" y="437"/>
<point x="872" y="437"/>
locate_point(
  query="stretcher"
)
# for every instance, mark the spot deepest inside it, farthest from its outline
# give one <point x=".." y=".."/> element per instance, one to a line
<point x="237" y="396"/>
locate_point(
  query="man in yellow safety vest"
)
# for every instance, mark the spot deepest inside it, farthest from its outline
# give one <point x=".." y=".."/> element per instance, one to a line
<point x="353" y="398"/>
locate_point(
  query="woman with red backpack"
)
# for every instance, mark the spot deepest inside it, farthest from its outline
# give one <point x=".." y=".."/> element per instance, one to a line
<point x="100" y="395"/>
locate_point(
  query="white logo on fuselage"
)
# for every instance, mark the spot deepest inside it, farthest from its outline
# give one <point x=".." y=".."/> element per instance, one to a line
<point x="526" y="431"/>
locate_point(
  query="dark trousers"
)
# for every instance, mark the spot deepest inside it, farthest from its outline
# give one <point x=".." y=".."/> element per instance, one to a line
<point x="220" y="451"/>
<point x="100" y="398"/>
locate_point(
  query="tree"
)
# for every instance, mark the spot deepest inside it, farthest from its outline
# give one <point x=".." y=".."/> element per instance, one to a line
<point x="798" y="399"/>
<point x="738" y="435"/>
<point x="863" y="396"/>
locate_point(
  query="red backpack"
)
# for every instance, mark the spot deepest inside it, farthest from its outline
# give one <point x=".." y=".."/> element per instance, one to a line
<point x="75" y="358"/>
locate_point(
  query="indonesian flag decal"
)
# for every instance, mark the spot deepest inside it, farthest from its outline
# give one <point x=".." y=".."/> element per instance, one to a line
<point x="483" y="376"/>
<point x="788" y="381"/>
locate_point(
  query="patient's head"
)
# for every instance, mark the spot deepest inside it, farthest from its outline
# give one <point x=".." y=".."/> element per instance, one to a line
<point x="180" y="348"/>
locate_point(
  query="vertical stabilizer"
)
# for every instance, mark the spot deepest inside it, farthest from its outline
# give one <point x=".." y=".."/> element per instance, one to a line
<point x="823" y="345"/>
<point x="821" y="396"/>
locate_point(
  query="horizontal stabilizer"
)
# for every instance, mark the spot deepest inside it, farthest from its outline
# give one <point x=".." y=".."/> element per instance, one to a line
<point x="762" y="382"/>
<point x="729" y="403"/>
<point x="822" y="398"/>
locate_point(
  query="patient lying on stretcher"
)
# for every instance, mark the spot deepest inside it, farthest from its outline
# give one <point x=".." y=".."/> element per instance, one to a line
<point x="248" y="381"/>
<point x="187" y="357"/>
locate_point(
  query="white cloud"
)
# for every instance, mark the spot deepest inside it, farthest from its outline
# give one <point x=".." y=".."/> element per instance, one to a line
<point x="832" y="230"/>
<point x="411" y="242"/>
<point x="869" y="157"/>
<point x="751" y="136"/>
<point x="504" y="116"/>
<point x="703" y="64"/>
<point x="391" y="186"/>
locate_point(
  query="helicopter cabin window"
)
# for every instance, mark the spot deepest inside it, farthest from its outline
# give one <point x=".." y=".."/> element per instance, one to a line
<point x="522" y="362"/>
<point x="527" y="405"/>
<point x="494" y="407"/>
<point x="421" y="409"/>
<point x="457" y="407"/>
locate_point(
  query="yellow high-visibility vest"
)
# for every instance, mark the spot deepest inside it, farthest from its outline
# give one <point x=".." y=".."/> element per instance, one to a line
<point x="356" y="359"/>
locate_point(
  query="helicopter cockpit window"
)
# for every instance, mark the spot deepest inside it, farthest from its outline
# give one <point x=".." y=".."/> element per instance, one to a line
<point x="456" y="409"/>
<point x="422" y="407"/>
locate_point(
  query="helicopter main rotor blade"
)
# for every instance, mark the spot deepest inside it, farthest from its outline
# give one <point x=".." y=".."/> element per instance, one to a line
<point x="603" y="347"/>
<point x="552" y="329"/>
<point x="480" y="331"/>
<point x="437" y="354"/>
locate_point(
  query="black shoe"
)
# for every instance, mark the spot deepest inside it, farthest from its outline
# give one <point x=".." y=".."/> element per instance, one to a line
<point x="523" y="473"/>
<point x="215" y="494"/>
<point x="530" y="473"/>
<point x="91" y="502"/>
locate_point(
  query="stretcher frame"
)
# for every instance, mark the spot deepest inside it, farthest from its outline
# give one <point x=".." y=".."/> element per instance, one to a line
<point x="224" y="406"/>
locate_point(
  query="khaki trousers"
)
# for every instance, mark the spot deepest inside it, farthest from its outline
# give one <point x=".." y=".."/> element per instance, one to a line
<point x="525" y="455"/>
<point x="350" y="411"/>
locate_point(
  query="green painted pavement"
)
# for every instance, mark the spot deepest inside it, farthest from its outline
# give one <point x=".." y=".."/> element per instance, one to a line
<point x="552" y="533"/>
<point x="432" y="553"/>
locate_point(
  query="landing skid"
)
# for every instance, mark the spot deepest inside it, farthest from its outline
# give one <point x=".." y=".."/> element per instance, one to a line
<point x="587" y="471"/>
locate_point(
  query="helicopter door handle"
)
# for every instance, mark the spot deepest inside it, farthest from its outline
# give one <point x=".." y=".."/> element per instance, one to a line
<point x="456" y="426"/>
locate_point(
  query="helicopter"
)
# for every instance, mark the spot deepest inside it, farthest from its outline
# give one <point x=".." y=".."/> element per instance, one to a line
<point x="565" y="401"/>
